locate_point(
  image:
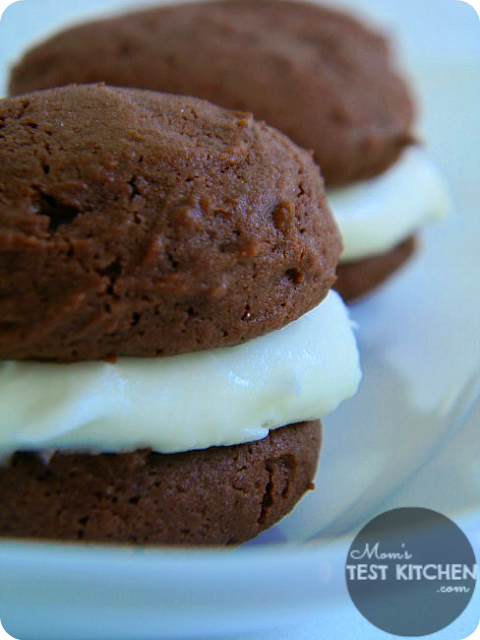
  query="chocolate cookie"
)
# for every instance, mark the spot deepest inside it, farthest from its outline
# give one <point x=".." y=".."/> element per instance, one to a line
<point x="221" y="495"/>
<point x="145" y="224"/>
<point x="357" y="278"/>
<point x="316" y="74"/>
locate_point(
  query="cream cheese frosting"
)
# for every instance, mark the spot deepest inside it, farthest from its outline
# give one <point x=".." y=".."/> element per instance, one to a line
<point x="222" y="396"/>
<point x="375" y="215"/>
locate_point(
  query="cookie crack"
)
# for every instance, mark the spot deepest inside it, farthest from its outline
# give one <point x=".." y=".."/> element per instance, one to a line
<point x="58" y="212"/>
<point x="267" y="500"/>
<point x="113" y="271"/>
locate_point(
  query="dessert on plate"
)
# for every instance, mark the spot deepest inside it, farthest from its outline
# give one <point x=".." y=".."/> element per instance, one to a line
<point x="168" y="336"/>
<point x="318" y="75"/>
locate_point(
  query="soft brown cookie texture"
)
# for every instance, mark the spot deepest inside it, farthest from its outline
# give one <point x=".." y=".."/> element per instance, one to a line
<point x="318" y="75"/>
<point x="358" y="278"/>
<point x="144" y="224"/>
<point x="221" y="495"/>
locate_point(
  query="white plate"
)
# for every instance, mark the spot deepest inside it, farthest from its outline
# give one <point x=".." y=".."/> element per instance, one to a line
<point x="409" y="438"/>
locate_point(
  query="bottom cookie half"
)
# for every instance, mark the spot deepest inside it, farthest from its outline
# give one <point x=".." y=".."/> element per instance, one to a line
<point x="358" y="278"/>
<point x="215" y="496"/>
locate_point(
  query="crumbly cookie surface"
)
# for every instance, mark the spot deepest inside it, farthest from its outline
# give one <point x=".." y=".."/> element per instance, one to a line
<point x="318" y="75"/>
<point x="144" y="224"/>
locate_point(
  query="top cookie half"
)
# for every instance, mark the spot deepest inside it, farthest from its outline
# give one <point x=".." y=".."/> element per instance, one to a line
<point x="318" y="75"/>
<point x="138" y="223"/>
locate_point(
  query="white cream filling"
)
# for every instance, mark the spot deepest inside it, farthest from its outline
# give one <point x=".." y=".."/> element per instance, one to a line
<point x="217" y="397"/>
<point x="375" y="215"/>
